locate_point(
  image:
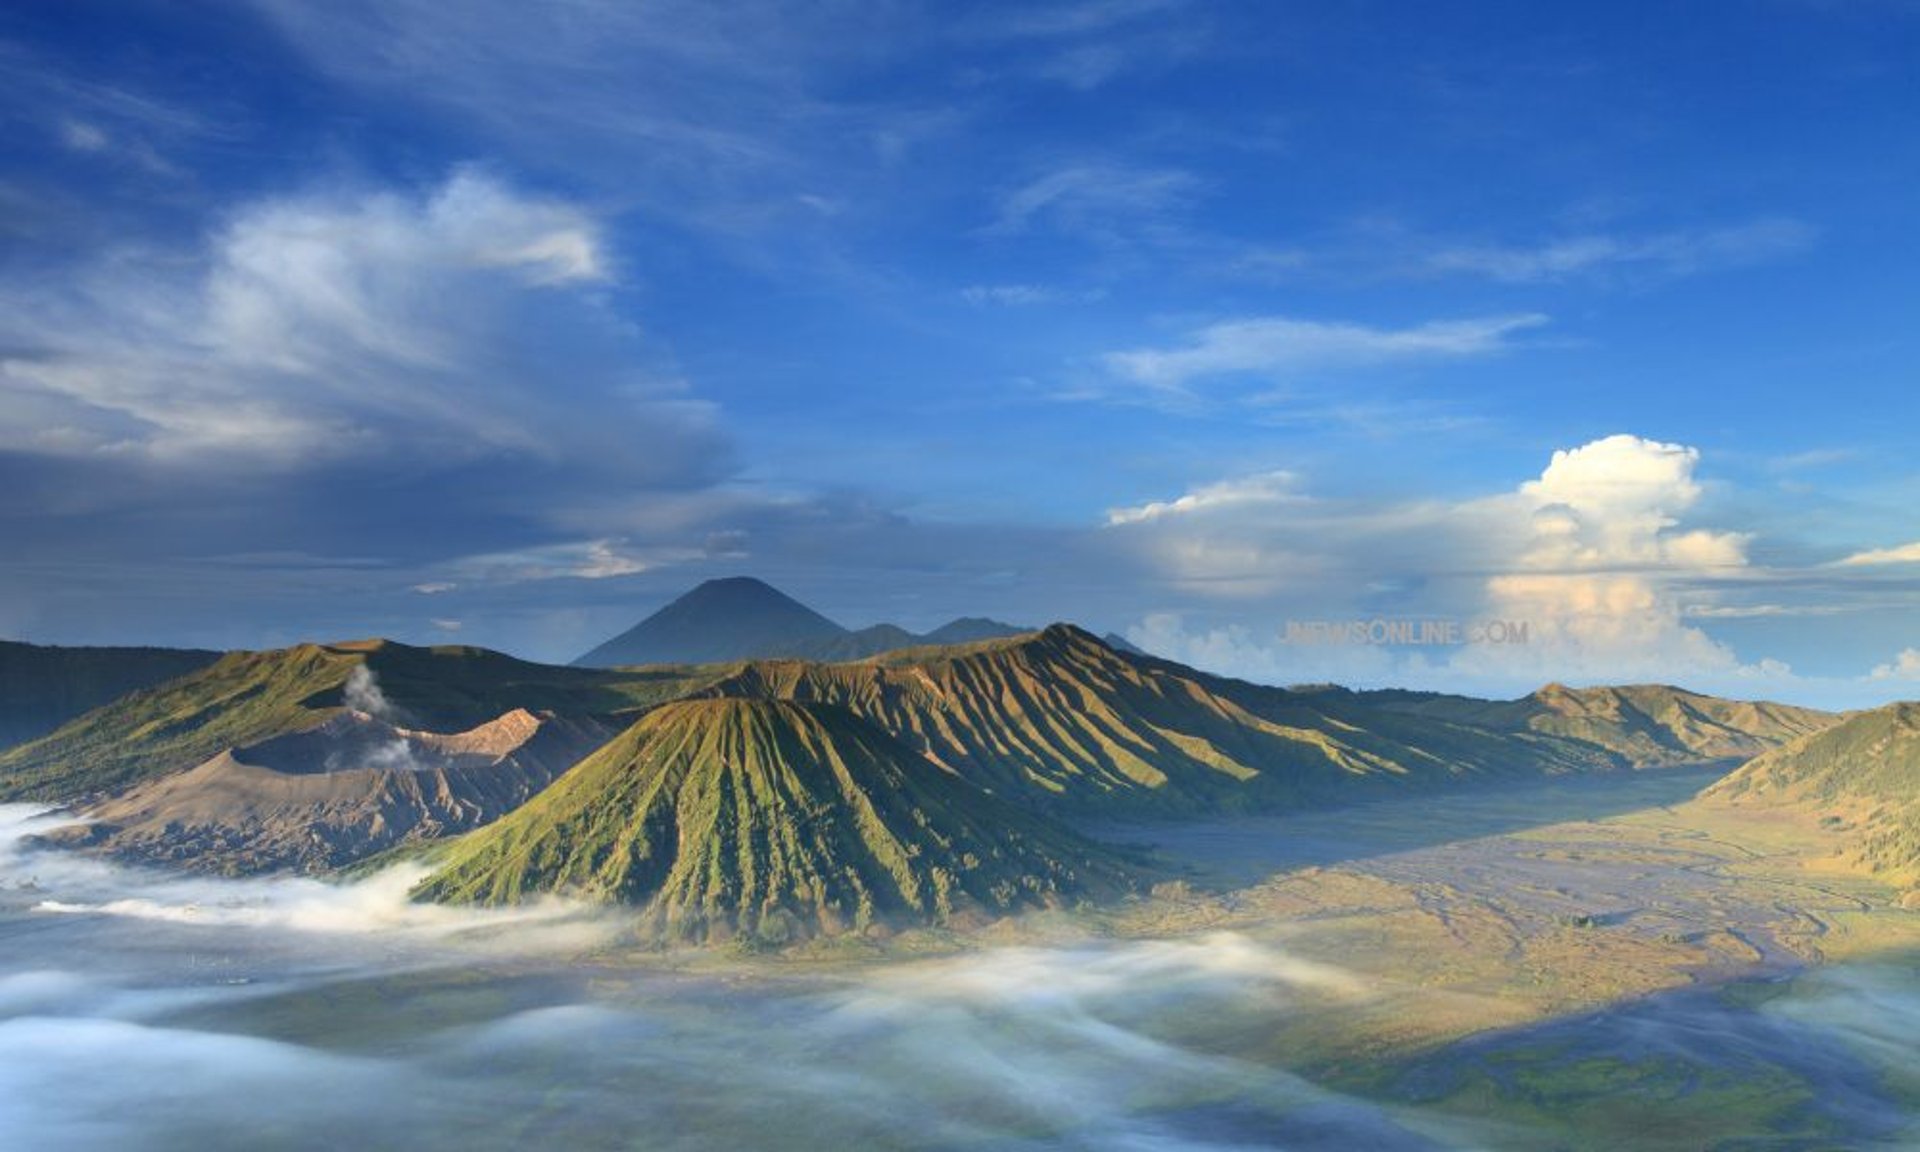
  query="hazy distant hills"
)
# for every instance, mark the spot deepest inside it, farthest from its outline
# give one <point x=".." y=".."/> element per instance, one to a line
<point x="741" y="618"/>
<point x="1862" y="776"/>
<point x="328" y="796"/>
<point x="774" y="820"/>
<point x="1635" y="726"/>
<point x="42" y="688"/>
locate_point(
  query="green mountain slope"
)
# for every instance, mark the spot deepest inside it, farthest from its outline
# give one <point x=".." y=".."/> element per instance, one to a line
<point x="1059" y="721"/>
<point x="42" y="688"/>
<point x="244" y="698"/>
<point x="1633" y="726"/>
<point x="334" y="794"/>
<point x="773" y="820"/>
<point x="1862" y="776"/>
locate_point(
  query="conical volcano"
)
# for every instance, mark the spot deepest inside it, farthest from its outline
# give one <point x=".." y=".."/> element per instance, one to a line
<point x="774" y="820"/>
<point x="732" y="619"/>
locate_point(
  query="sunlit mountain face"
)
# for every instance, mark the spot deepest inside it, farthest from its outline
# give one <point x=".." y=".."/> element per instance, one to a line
<point x="1130" y="574"/>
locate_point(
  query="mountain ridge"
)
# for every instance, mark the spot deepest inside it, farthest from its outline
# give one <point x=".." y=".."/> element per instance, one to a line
<point x="244" y="698"/>
<point x="1636" y="725"/>
<point x="1860" y="777"/>
<point x="44" y="686"/>
<point x="1072" y="725"/>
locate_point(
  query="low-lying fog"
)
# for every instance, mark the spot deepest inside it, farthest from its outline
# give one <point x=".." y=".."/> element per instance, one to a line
<point x="144" y="1011"/>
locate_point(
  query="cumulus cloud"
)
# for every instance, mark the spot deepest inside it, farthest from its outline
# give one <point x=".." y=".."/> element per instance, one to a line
<point x="1594" y="578"/>
<point x="1277" y="347"/>
<point x="1905" y="666"/>
<point x="1591" y="561"/>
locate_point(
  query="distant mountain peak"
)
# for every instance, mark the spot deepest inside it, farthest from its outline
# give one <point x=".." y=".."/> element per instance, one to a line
<point x="733" y="618"/>
<point x="744" y="618"/>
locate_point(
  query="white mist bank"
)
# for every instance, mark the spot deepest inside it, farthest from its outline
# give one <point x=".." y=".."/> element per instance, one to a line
<point x="141" y="1009"/>
<point x="144" y="1010"/>
<point x="69" y="883"/>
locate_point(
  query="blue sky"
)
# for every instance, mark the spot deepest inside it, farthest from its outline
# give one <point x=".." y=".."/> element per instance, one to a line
<point x="502" y="322"/>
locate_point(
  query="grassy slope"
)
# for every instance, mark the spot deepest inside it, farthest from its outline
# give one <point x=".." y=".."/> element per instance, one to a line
<point x="1632" y="726"/>
<point x="1862" y="774"/>
<point x="242" y="698"/>
<point x="771" y="819"/>
<point x="1061" y="721"/>
<point x="246" y="697"/>
<point x="42" y="688"/>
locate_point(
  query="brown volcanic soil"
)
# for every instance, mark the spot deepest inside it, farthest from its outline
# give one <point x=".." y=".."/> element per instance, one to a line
<point x="335" y="794"/>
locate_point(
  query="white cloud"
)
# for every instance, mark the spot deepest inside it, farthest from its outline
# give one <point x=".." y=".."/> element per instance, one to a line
<point x="585" y="560"/>
<point x="1905" y="666"/>
<point x="1903" y="554"/>
<point x="1264" y="488"/>
<point x="1669" y="253"/>
<point x="326" y="327"/>
<point x="1612" y="503"/>
<point x="1279" y="346"/>
<point x="1591" y="560"/>
<point x="1595" y="580"/>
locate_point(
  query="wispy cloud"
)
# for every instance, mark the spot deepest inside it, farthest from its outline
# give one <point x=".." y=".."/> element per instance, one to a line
<point x="313" y="327"/>
<point x="1277" y="346"/>
<point x="728" y="119"/>
<point x="1086" y="45"/>
<point x="1026" y="295"/>
<point x="584" y="560"/>
<point x="1264" y="488"/>
<point x="1903" y="554"/>
<point x="1677" y="253"/>
<point x="1096" y="197"/>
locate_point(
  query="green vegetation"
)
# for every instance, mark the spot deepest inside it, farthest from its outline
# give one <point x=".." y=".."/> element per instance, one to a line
<point x="769" y="821"/>
<point x="1062" y="722"/>
<point x="1632" y="726"/>
<point x="1861" y="776"/>
<point x="43" y="688"/>
<point x="244" y="698"/>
